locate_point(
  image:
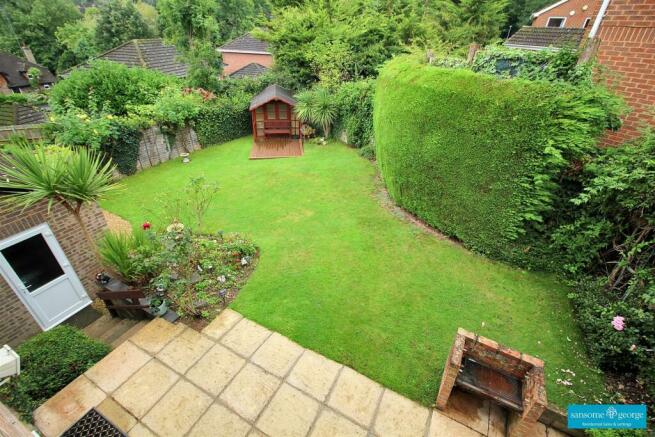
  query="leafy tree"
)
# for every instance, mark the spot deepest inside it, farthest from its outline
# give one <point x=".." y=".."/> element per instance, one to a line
<point x="192" y="26"/>
<point x="34" y="23"/>
<point x="119" y="21"/>
<point x="149" y="15"/>
<point x="236" y="18"/>
<point x="69" y="177"/>
<point x="519" y="13"/>
<point x="78" y="40"/>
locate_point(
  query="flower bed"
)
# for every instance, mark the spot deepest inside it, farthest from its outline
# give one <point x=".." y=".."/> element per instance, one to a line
<point x="196" y="275"/>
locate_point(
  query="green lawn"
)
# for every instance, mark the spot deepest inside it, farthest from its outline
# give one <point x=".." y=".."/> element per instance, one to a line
<point x="342" y="275"/>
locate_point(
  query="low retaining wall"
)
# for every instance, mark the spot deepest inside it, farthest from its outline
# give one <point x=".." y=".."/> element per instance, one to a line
<point x="154" y="148"/>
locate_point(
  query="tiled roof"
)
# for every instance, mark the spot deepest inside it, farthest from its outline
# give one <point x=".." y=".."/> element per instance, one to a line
<point x="545" y="37"/>
<point x="14" y="70"/>
<point x="148" y="53"/>
<point x="251" y="70"/>
<point x="245" y="44"/>
<point x="272" y="92"/>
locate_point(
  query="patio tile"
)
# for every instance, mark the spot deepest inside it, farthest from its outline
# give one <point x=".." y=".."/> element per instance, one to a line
<point x="250" y="391"/>
<point x="221" y="324"/>
<point x="59" y="412"/>
<point x="398" y="416"/>
<point x="115" y="368"/>
<point x="216" y="369"/>
<point x="218" y="420"/>
<point x="277" y="354"/>
<point x="254" y="432"/>
<point x="469" y="409"/>
<point x="314" y="374"/>
<point x="116" y="414"/>
<point x="330" y="424"/>
<point x="443" y="426"/>
<point x="355" y="396"/>
<point x="141" y="431"/>
<point x="154" y="336"/>
<point x="290" y="413"/>
<point x="245" y="337"/>
<point x="139" y="393"/>
<point x="178" y="410"/>
<point x="184" y="350"/>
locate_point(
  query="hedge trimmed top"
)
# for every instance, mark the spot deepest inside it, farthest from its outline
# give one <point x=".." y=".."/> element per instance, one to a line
<point x="477" y="156"/>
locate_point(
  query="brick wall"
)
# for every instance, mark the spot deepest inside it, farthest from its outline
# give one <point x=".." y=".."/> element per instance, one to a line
<point x="627" y="48"/>
<point x="582" y="9"/>
<point x="236" y="61"/>
<point x="16" y="323"/>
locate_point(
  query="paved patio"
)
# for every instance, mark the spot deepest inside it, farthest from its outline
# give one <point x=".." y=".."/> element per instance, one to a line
<point x="237" y="378"/>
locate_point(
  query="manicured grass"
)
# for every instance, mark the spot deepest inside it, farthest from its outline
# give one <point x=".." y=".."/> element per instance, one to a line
<point x="342" y="275"/>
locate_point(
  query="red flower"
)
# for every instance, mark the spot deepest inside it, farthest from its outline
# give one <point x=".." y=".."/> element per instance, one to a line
<point x="146" y="226"/>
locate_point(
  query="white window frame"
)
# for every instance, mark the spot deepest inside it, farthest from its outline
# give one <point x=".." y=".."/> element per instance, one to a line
<point x="556" y="18"/>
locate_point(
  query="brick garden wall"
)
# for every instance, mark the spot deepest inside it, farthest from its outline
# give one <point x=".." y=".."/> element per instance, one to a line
<point x="16" y="323"/>
<point x="627" y="48"/>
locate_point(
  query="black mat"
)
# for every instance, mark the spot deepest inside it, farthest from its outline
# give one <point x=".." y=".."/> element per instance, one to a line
<point x="93" y="424"/>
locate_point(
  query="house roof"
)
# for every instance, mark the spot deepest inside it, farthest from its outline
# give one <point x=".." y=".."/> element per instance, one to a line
<point x="245" y="44"/>
<point x="272" y="92"/>
<point x="14" y="69"/>
<point x="538" y="38"/>
<point x="251" y="70"/>
<point x="548" y="8"/>
<point x="147" y="53"/>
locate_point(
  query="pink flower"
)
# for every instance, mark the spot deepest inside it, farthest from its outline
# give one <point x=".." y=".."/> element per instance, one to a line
<point x="617" y="323"/>
<point x="146" y="225"/>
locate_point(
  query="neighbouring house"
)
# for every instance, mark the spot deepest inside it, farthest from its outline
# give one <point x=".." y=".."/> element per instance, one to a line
<point x="245" y="56"/>
<point x="14" y="73"/>
<point x="570" y="14"/>
<point x="47" y="270"/>
<point x="276" y="129"/>
<point x="619" y="34"/>
<point x="150" y="53"/>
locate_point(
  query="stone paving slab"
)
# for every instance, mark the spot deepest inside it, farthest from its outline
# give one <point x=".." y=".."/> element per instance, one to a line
<point x="236" y="378"/>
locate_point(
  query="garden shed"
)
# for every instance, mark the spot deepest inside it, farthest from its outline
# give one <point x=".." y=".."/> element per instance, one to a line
<point x="276" y="129"/>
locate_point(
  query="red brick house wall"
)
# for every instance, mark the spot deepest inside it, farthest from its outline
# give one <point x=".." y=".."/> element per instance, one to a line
<point x="582" y="9"/>
<point x="627" y="48"/>
<point x="236" y="61"/>
<point x="16" y="322"/>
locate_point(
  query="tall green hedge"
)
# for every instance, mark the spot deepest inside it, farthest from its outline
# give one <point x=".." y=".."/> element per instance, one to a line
<point x="223" y="119"/>
<point x="476" y="156"/>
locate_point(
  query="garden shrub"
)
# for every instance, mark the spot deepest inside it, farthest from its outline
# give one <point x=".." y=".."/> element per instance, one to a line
<point x="223" y="119"/>
<point x="107" y="88"/>
<point x="479" y="157"/>
<point x="355" y="112"/>
<point x="49" y="361"/>
<point x="367" y="152"/>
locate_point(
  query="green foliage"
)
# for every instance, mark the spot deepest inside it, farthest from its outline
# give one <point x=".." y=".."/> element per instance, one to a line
<point x="354" y="101"/>
<point x="534" y="65"/>
<point x="318" y="107"/>
<point x="107" y="88"/>
<point x="368" y="152"/>
<point x="33" y="23"/>
<point x="478" y="157"/>
<point x="122" y="145"/>
<point x="205" y="65"/>
<point x="118" y="21"/>
<point x="50" y="361"/>
<point x="189" y="207"/>
<point x="172" y="108"/>
<point x="77" y="40"/>
<point x="223" y="119"/>
<point x="617" y="433"/>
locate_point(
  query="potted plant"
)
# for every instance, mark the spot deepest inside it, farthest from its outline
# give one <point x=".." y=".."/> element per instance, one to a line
<point x="158" y="306"/>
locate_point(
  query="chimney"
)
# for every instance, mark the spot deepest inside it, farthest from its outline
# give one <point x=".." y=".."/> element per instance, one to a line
<point x="28" y="54"/>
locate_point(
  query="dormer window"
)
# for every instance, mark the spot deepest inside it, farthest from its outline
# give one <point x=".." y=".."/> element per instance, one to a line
<point x="556" y="22"/>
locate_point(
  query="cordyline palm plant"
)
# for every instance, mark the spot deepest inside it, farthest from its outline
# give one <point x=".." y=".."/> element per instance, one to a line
<point x="69" y="177"/>
<point x="317" y="107"/>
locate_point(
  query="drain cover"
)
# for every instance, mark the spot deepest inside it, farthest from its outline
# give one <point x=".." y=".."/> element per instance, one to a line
<point x="93" y="424"/>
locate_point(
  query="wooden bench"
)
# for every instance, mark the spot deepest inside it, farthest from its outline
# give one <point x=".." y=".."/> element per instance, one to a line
<point x="124" y="301"/>
<point x="510" y="378"/>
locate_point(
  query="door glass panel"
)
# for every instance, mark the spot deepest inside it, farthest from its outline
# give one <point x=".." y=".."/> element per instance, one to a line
<point x="33" y="262"/>
<point x="282" y="109"/>
<point x="270" y="111"/>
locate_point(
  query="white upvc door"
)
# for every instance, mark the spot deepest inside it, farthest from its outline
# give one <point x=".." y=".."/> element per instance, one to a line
<point x="36" y="268"/>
